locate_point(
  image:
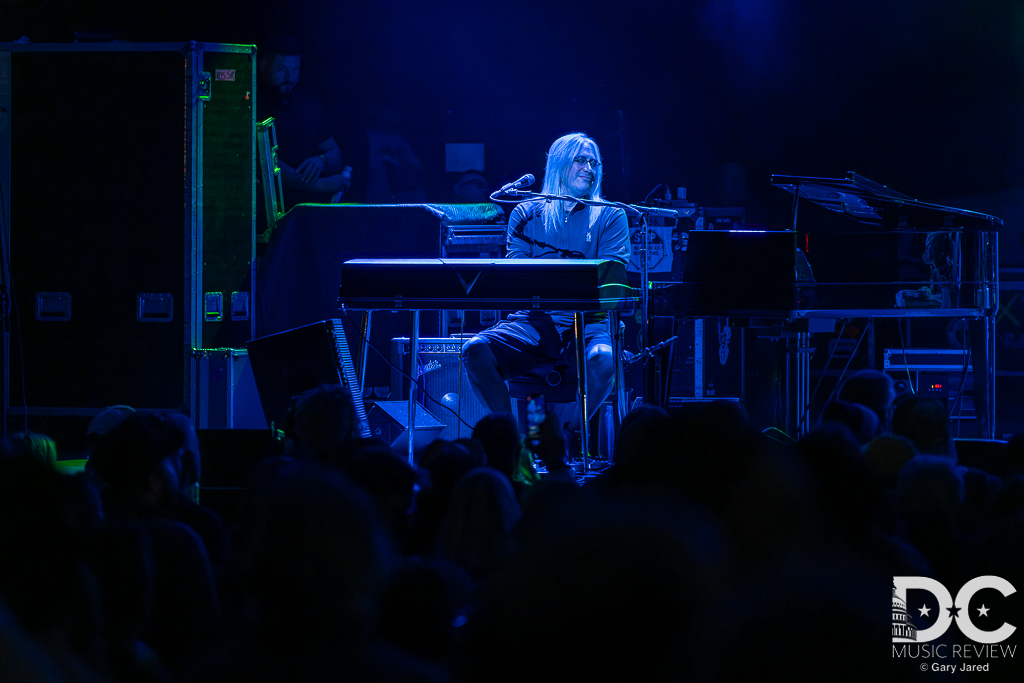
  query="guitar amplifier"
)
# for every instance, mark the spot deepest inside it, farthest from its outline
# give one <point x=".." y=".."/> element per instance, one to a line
<point x="449" y="395"/>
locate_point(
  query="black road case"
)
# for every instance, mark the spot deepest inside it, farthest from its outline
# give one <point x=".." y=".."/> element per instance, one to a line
<point x="127" y="172"/>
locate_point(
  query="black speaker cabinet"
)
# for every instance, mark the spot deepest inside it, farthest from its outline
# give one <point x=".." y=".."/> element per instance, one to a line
<point x="128" y="172"/>
<point x="289" y="363"/>
<point x="449" y="394"/>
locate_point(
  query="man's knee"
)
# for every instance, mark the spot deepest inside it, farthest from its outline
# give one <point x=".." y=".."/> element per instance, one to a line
<point x="600" y="361"/>
<point x="476" y="353"/>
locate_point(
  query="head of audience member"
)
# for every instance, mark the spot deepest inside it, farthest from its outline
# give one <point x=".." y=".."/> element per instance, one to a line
<point x="139" y="461"/>
<point x="758" y="488"/>
<point x="388" y="479"/>
<point x="850" y="491"/>
<point x="48" y="519"/>
<point x="642" y="443"/>
<point x="929" y="507"/>
<point x="279" y="64"/>
<point x="1000" y="550"/>
<point x="325" y="419"/>
<point x="33" y="445"/>
<point x="448" y="461"/>
<point x="445" y="462"/>
<point x="105" y="420"/>
<point x="888" y="454"/>
<point x="873" y="389"/>
<point x="626" y="571"/>
<point x="420" y="607"/>
<point x="122" y="557"/>
<point x="928" y="496"/>
<point x="862" y="422"/>
<point x="770" y="503"/>
<point x="499" y="434"/>
<point x="191" y="463"/>
<point x="312" y="558"/>
<point x="773" y="610"/>
<point x="477" y="532"/>
<point x="926" y="423"/>
<point x="1010" y="499"/>
<point x="714" y="445"/>
<point x="474" y="448"/>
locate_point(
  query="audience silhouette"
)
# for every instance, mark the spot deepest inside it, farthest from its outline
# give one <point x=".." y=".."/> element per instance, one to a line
<point x="707" y="552"/>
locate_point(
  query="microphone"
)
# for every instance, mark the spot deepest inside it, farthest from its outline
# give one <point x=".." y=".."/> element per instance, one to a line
<point x="657" y="211"/>
<point x="525" y="181"/>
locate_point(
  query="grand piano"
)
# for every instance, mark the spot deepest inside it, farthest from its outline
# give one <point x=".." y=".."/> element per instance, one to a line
<point x="888" y="256"/>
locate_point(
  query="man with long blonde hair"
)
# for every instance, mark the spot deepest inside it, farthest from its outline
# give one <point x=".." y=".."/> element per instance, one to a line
<point x="556" y="229"/>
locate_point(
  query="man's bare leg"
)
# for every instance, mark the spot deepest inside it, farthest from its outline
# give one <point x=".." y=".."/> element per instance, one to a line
<point x="600" y="376"/>
<point x="485" y="376"/>
<point x="600" y="380"/>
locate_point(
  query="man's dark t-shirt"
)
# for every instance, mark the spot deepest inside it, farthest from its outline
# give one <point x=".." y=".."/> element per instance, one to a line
<point x="301" y="125"/>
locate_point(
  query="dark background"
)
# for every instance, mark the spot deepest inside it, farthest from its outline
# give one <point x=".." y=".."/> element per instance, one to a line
<point x="715" y="96"/>
<point x="922" y="95"/>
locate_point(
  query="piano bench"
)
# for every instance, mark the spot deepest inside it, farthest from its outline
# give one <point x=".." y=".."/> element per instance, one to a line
<point x="557" y="382"/>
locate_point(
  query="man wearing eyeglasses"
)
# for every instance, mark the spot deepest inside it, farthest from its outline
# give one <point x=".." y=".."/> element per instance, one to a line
<point x="559" y="229"/>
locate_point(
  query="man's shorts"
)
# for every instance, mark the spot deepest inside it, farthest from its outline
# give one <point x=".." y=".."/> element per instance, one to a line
<point x="526" y="340"/>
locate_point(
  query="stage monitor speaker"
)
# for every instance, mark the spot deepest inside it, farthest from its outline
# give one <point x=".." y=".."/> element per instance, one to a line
<point x="288" y="363"/>
<point x="389" y="422"/>
<point x="444" y="380"/>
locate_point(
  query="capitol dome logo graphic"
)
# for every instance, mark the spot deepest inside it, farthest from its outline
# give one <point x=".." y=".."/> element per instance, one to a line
<point x="902" y="626"/>
<point x="973" y="620"/>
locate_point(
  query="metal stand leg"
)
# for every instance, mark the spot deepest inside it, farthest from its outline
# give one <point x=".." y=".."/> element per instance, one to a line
<point x="414" y="344"/>
<point x="620" y="370"/>
<point x="788" y="423"/>
<point x="803" y="382"/>
<point x="620" y="383"/>
<point x="990" y="371"/>
<point x="989" y="299"/>
<point x="362" y="356"/>
<point x="581" y="365"/>
<point x="645" y="324"/>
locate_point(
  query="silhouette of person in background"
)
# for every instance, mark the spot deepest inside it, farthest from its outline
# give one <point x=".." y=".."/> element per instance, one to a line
<point x="394" y="174"/>
<point x="310" y="161"/>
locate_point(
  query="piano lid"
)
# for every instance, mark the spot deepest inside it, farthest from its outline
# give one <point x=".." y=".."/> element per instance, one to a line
<point x="869" y="202"/>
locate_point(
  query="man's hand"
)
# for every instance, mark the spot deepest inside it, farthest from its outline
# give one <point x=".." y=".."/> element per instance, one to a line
<point x="309" y="170"/>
